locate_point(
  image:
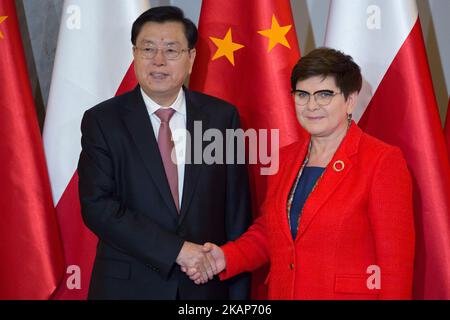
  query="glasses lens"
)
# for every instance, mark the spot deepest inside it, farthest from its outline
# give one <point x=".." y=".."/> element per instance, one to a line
<point x="323" y="98"/>
<point x="172" y="53"/>
<point x="149" y="52"/>
<point x="301" y="97"/>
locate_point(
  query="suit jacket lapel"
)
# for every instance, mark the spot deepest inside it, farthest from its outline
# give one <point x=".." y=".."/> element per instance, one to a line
<point x="137" y="120"/>
<point x="331" y="179"/>
<point x="191" y="169"/>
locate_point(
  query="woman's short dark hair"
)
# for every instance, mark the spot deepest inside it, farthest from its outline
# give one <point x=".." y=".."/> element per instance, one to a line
<point x="166" y="14"/>
<point x="326" y="62"/>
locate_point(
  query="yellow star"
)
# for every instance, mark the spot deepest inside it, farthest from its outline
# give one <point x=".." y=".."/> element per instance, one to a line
<point x="2" y="18"/>
<point x="276" y="34"/>
<point x="226" y="47"/>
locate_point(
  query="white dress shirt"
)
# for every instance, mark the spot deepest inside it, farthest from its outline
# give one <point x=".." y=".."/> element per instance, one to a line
<point x="177" y="125"/>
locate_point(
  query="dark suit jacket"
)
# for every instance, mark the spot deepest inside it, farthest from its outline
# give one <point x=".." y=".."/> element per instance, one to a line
<point x="126" y="202"/>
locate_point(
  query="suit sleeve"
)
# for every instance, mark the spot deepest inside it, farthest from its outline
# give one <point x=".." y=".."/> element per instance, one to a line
<point x="103" y="212"/>
<point x="392" y="220"/>
<point x="238" y="211"/>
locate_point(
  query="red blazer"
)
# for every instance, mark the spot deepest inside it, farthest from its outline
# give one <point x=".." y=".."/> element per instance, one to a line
<point x="355" y="218"/>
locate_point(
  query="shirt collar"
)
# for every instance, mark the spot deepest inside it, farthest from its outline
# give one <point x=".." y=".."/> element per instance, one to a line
<point x="179" y="104"/>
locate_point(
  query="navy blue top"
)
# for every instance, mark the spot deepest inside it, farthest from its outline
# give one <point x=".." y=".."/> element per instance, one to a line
<point x="305" y="185"/>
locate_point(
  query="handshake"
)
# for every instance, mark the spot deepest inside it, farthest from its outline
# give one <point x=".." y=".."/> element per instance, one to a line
<point x="201" y="262"/>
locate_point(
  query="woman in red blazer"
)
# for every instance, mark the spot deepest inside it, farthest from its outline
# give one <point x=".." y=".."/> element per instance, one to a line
<point x="338" y="219"/>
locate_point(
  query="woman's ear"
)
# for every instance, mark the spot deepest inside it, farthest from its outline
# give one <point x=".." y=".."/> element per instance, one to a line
<point x="351" y="102"/>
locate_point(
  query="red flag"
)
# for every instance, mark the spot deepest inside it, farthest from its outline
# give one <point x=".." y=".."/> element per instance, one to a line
<point x="245" y="55"/>
<point x="398" y="105"/>
<point x="30" y="248"/>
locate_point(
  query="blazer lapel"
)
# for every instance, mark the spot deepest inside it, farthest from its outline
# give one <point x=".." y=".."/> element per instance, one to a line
<point x="137" y="120"/>
<point x="331" y="178"/>
<point x="191" y="169"/>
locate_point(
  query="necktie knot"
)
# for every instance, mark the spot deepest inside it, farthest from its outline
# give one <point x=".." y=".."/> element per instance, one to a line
<point x="164" y="114"/>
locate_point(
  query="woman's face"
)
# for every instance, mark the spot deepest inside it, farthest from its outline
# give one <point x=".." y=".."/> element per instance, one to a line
<point x="325" y="114"/>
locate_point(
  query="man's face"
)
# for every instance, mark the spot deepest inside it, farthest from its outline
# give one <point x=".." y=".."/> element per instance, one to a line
<point x="162" y="78"/>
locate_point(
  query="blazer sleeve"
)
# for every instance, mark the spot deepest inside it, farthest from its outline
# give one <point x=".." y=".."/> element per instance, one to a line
<point x="103" y="212"/>
<point x="249" y="252"/>
<point x="238" y="211"/>
<point x="392" y="220"/>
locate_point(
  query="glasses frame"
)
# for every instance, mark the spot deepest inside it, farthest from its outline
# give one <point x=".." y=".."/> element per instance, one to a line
<point x="144" y="50"/>
<point x="315" y="94"/>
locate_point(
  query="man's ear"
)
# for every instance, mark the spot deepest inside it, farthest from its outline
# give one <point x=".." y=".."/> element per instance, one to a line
<point x="192" y="55"/>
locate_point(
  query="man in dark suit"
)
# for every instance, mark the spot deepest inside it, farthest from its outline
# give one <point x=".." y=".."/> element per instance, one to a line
<point x="142" y="193"/>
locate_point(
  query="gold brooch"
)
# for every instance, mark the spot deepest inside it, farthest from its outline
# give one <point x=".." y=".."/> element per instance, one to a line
<point x="338" y="166"/>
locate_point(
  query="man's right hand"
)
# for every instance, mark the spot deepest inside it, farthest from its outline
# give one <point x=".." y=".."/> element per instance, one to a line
<point x="196" y="258"/>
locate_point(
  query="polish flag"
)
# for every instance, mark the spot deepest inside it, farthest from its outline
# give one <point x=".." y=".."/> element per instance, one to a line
<point x="398" y="105"/>
<point x="93" y="63"/>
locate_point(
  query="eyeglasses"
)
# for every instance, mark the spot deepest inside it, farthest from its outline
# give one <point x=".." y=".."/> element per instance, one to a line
<point x="322" y="97"/>
<point x="169" y="52"/>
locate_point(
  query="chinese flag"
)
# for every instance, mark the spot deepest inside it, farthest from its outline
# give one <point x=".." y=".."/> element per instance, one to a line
<point x="398" y="105"/>
<point x="245" y="55"/>
<point x="31" y="260"/>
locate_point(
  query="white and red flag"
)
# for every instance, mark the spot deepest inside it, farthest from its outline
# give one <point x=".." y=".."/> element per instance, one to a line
<point x="93" y="63"/>
<point x="398" y="105"/>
